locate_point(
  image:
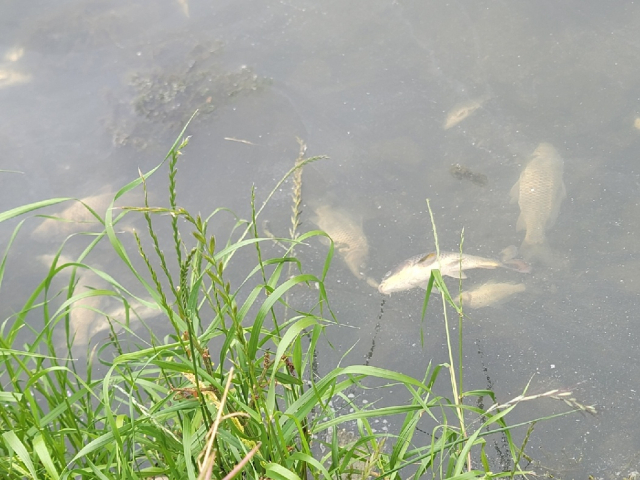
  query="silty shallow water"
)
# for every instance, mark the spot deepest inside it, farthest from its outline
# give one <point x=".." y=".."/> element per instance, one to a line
<point x="370" y="85"/>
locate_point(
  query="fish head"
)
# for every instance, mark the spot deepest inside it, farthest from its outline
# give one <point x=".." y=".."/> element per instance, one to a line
<point x="411" y="273"/>
<point x="396" y="281"/>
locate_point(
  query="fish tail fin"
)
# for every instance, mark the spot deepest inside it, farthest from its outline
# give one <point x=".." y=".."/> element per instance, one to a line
<point x="541" y="252"/>
<point x="509" y="253"/>
<point x="544" y="254"/>
<point x="518" y="265"/>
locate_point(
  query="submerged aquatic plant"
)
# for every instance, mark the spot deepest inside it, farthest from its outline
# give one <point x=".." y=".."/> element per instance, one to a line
<point x="232" y="389"/>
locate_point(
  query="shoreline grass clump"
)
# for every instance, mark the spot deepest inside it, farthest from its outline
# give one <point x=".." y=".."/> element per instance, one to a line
<point x="232" y="390"/>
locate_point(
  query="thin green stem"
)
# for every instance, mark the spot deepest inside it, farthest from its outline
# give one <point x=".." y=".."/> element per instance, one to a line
<point x="452" y="371"/>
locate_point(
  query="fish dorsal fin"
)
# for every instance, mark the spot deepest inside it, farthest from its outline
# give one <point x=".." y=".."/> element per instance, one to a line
<point x="427" y="258"/>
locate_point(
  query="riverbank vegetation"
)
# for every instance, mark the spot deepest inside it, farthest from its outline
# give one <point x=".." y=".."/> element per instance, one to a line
<point x="233" y="389"/>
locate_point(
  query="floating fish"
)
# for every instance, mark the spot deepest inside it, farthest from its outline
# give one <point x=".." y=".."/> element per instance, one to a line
<point x="348" y="237"/>
<point x="416" y="271"/>
<point x="539" y="192"/>
<point x="462" y="111"/>
<point x="490" y="294"/>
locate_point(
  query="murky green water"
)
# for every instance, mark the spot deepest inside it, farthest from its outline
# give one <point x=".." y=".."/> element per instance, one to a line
<point x="107" y="85"/>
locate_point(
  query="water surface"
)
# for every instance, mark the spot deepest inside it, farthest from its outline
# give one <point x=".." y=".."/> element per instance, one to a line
<point x="369" y="83"/>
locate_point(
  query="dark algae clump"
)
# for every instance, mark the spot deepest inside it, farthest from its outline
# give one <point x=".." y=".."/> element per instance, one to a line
<point x="463" y="173"/>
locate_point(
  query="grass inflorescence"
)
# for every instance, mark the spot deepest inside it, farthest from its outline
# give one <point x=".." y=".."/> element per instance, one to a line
<point x="232" y="389"/>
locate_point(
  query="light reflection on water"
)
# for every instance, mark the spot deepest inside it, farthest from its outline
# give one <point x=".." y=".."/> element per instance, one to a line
<point x="370" y="84"/>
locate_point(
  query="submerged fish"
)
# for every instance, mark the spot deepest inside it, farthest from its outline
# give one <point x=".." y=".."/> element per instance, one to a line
<point x="184" y="5"/>
<point x="490" y="294"/>
<point x="508" y="253"/>
<point x="348" y="237"/>
<point x="9" y="77"/>
<point x="75" y="217"/>
<point x="416" y="271"/>
<point x="14" y="54"/>
<point x="462" y="111"/>
<point x="539" y="192"/>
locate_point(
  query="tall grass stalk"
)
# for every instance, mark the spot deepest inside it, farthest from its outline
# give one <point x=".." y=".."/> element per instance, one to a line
<point x="446" y="298"/>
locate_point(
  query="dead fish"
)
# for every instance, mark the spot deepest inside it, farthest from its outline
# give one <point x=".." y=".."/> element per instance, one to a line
<point x="348" y="237"/>
<point x="508" y="253"/>
<point x="490" y="294"/>
<point x="14" y="54"/>
<point x="539" y="193"/>
<point x="416" y="271"/>
<point x="10" y="77"/>
<point x="462" y="111"/>
<point x="463" y="173"/>
<point x="184" y="5"/>
<point x="75" y="217"/>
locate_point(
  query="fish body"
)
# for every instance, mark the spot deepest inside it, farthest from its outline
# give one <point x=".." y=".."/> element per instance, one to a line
<point x="508" y="253"/>
<point x="490" y="294"/>
<point x="10" y="77"/>
<point x="416" y="271"/>
<point x="539" y="193"/>
<point x="462" y="110"/>
<point x="184" y="5"/>
<point x="14" y="54"/>
<point x="347" y="235"/>
<point x="76" y="216"/>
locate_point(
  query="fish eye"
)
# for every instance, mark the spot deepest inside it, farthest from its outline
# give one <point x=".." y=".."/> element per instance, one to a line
<point x="386" y="275"/>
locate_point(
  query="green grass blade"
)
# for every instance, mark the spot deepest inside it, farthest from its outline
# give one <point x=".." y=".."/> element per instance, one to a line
<point x="6" y="250"/>
<point x="278" y="472"/>
<point x="187" y="443"/>
<point x="12" y="442"/>
<point x="308" y="459"/>
<point x="40" y="448"/>
<point x="287" y="340"/>
<point x="275" y="296"/>
<point x="21" y="210"/>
